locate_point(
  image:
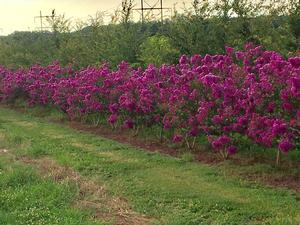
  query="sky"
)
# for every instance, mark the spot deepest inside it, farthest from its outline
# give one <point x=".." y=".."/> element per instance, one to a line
<point x="18" y="15"/>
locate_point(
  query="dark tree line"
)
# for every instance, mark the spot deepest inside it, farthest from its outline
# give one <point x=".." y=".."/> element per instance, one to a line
<point x="204" y="27"/>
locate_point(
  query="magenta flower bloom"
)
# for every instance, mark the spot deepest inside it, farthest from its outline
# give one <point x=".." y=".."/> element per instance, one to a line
<point x="287" y="106"/>
<point x="113" y="108"/>
<point x="129" y="124"/>
<point x="271" y="107"/>
<point x="183" y="59"/>
<point x="295" y="61"/>
<point x="113" y="119"/>
<point x="194" y="132"/>
<point x="232" y="150"/>
<point x="229" y="50"/>
<point x="216" y="144"/>
<point x="177" y="138"/>
<point x="224" y="139"/>
<point x="285" y="145"/>
<point x="196" y="59"/>
<point x="298" y="114"/>
<point x="279" y="128"/>
<point x="210" y="79"/>
<point x="240" y="55"/>
<point x="217" y="119"/>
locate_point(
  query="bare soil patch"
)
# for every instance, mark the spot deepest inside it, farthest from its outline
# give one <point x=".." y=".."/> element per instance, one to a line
<point x="3" y="151"/>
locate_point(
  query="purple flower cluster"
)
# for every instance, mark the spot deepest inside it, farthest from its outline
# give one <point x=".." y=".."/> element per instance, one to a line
<point x="254" y="93"/>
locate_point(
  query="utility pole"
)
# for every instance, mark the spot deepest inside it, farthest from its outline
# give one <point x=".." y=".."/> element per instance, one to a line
<point x="152" y="7"/>
<point x="41" y="18"/>
<point x="142" y="7"/>
<point x="161" y="11"/>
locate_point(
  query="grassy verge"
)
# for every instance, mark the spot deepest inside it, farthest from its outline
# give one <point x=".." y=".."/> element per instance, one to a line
<point x="253" y="162"/>
<point x="169" y="190"/>
<point x="27" y="198"/>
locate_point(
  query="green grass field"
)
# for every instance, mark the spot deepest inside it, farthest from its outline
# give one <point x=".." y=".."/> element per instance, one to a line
<point x="104" y="182"/>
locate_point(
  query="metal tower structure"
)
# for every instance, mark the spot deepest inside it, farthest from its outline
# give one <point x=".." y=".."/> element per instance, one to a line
<point x="41" y="18"/>
<point x="150" y="5"/>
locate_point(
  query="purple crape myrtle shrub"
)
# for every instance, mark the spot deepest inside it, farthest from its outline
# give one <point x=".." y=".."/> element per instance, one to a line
<point x="252" y="93"/>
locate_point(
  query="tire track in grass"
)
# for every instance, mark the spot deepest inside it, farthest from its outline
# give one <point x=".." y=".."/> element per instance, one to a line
<point x="92" y="196"/>
<point x="28" y="198"/>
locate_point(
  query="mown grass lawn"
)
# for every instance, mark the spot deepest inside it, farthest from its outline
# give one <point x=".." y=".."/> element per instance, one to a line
<point x="26" y="198"/>
<point x="165" y="189"/>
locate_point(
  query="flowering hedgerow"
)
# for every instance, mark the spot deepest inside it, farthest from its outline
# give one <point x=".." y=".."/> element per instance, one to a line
<point x="252" y="93"/>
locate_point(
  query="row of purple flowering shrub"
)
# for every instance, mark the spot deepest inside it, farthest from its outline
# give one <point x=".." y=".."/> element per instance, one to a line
<point x="252" y="93"/>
